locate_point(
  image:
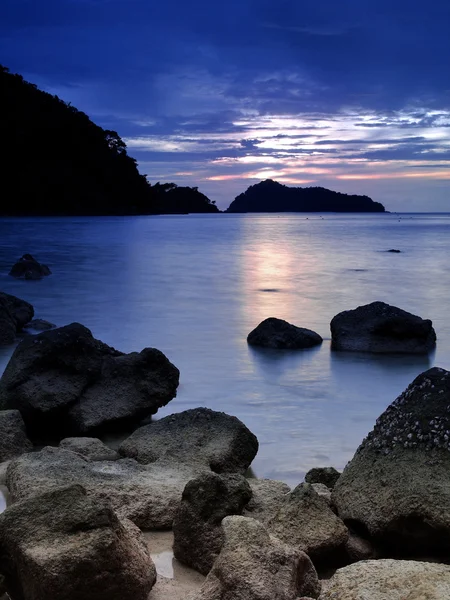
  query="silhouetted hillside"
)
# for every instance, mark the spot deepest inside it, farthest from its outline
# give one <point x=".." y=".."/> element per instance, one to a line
<point x="271" y="196"/>
<point x="56" y="161"/>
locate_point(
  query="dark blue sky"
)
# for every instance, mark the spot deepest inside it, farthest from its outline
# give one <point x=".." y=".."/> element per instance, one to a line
<point x="350" y="94"/>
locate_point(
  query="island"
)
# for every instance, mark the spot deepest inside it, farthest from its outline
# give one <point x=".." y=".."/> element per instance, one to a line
<point x="272" y="197"/>
<point x="58" y="162"/>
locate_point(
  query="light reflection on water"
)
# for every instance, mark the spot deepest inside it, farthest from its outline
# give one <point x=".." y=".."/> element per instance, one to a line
<point x="194" y="286"/>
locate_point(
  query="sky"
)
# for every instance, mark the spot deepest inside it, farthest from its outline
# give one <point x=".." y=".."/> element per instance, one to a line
<point x="353" y="95"/>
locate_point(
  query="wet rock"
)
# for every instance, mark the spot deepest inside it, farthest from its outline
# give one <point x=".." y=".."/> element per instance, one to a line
<point x="148" y="495"/>
<point x="90" y="448"/>
<point x="40" y="325"/>
<point x="379" y="327"/>
<point x="29" y="268"/>
<point x="276" y="333"/>
<point x="199" y="436"/>
<point x="14" y="315"/>
<point x="197" y="530"/>
<point x="394" y="250"/>
<point x="13" y="436"/>
<point x="256" y="566"/>
<point x="68" y="546"/>
<point x="390" y="580"/>
<point x="326" y="475"/>
<point x="65" y="382"/>
<point x="267" y="497"/>
<point x="305" y="521"/>
<point x="396" y="489"/>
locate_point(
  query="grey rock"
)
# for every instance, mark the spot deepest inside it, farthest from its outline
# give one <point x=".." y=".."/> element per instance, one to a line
<point x="65" y="382"/>
<point x="14" y="315"/>
<point x="40" y="325"/>
<point x="197" y="530"/>
<point x="267" y="497"/>
<point x="29" y="268"/>
<point x="277" y="333"/>
<point x="198" y="436"/>
<point x="256" y="566"/>
<point x="305" y="521"/>
<point x="359" y="548"/>
<point x="389" y="580"/>
<point x="148" y="495"/>
<point x="326" y="475"/>
<point x="68" y="546"/>
<point x="381" y="328"/>
<point x="90" y="448"/>
<point x="397" y="486"/>
<point x="323" y="491"/>
<point x="13" y="436"/>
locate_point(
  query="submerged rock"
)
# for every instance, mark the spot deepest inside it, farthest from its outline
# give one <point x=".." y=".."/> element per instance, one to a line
<point x="389" y="580"/>
<point x="276" y="333"/>
<point x="326" y="475"/>
<point x="197" y="530"/>
<point x="14" y="315"/>
<point x="148" y="495"/>
<point x="90" y="448"/>
<point x="29" y="268"/>
<point x="198" y="436"/>
<point x="13" y="437"/>
<point x="67" y="546"/>
<point x="65" y="382"/>
<point x="396" y="489"/>
<point x="256" y="566"/>
<point x="306" y="521"/>
<point x="379" y="327"/>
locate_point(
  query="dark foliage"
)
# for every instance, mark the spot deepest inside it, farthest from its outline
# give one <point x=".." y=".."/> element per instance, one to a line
<point x="56" y="161"/>
<point x="271" y="196"/>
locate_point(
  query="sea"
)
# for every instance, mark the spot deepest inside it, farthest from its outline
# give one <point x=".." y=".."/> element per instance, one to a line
<point x="194" y="286"/>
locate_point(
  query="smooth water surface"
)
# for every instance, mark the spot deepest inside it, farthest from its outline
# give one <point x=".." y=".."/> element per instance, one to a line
<point x="195" y="286"/>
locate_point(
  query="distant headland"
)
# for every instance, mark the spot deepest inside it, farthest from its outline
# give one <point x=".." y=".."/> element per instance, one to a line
<point x="272" y="197"/>
<point x="61" y="163"/>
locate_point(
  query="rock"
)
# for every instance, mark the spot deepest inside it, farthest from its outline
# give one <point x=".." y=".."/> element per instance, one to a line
<point x="13" y="436"/>
<point x="358" y="548"/>
<point x="267" y="497"/>
<point x="396" y="489"/>
<point x="68" y="546"/>
<point x="199" y="436"/>
<point x="394" y="250"/>
<point x="390" y="580"/>
<point x="323" y="491"/>
<point x="381" y="328"/>
<point x="148" y="495"/>
<point x="305" y="521"/>
<point x="65" y="382"/>
<point x="276" y="333"/>
<point x="197" y="530"/>
<point x="40" y="325"/>
<point x="326" y="475"/>
<point x="90" y="448"/>
<point x="256" y="566"/>
<point x="29" y="268"/>
<point x="14" y="315"/>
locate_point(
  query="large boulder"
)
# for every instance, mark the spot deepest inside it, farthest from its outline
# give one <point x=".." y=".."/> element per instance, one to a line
<point x="90" y="448"/>
<point x="29" y="268"/>
<point x="13" y="437"/>
<point x="254" y="565"/>
<point x="396" y="489"/>
<point x="389" y="580"/>
<point x="197" y="530"/>
<point x="379" y="327"/>
<point x="306" y="521"/>
<point x="267" y="498"/>
<point x="325" y="475"/>
<point x="14" y="315"/>
<point x="276" y="333"/>
<point x="68" y="546"/>
<point x="65" y="382"/>
<point x="148" y="495"/>
<point x="198" y="436"/>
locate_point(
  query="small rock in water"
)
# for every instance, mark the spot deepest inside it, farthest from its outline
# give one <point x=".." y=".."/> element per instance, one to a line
<point x="28" y="267"/>
<point x="279" y="334"/>
<point x="394" y="250"/>
<point x="40" y="325"/>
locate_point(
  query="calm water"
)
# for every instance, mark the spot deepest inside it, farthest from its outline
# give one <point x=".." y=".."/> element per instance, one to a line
<point x="194" y="286"/>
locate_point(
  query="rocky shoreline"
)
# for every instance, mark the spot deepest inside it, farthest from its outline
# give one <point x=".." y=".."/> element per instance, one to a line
<point x="83" y="519"/>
